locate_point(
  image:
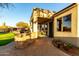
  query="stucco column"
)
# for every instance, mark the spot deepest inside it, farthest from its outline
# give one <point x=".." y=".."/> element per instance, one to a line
<point x="31" y="24"/>
<point x="35" y="27"/>
<point x="38" y="27"/>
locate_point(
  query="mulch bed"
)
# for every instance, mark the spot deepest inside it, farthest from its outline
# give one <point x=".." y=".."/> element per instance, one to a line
<point x="74" y="51"/>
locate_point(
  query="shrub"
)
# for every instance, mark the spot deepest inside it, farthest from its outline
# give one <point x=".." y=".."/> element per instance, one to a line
<point x="69" y="45"/>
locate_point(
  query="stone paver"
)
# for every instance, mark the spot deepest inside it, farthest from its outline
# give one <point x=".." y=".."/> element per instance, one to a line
<point x="41" y="47"/>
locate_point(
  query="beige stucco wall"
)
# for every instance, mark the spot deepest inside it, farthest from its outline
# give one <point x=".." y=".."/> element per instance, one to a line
<point x="73" y="32"/>
<point x="78" y="25"/>
<point x="78" y="21"/>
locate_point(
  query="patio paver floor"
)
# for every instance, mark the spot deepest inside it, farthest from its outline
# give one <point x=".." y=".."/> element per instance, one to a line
<point x="41" y="47"/>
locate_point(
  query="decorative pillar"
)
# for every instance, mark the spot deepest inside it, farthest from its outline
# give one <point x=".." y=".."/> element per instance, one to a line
<point x="35" y="27"/>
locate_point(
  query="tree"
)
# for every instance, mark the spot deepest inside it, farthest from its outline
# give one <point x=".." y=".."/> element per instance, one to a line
<point x="22" y="25"/>
<point x="6" y="5"/>
<point x="4" y="28"/>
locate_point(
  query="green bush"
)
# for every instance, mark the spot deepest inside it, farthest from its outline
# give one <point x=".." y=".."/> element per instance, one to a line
<point x="69" y="45"/>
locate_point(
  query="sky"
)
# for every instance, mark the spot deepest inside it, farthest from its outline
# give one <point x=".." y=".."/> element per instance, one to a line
<point x="22" y="11"/>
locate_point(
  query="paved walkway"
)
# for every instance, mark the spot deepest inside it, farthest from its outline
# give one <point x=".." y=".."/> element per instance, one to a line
<point x="41" y="47"/>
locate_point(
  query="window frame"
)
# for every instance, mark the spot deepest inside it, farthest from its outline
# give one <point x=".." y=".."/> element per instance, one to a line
<point x="60" y="18"/>
<point x="63" y="23"/>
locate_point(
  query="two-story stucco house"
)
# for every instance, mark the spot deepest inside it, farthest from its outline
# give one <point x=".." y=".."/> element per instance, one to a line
<point x="40" y="20"/>
<point x="63" y="25"/>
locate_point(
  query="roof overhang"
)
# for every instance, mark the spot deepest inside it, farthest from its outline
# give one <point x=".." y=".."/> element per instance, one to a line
<point x="65" y="9"/>
<point x="43" y="20"/>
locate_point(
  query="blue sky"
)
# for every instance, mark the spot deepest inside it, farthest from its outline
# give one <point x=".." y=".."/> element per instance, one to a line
<point x="23" y="11"/>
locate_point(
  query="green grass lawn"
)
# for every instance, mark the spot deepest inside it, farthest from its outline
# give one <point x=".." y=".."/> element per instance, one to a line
<point x="6" y="38"/>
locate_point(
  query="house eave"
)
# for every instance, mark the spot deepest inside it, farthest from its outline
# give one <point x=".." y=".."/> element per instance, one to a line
<point x="65" y="9"/>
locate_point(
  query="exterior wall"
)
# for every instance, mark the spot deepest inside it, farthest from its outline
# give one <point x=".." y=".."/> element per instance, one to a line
<point x="78" y="21"/>
<point x="73" y="36"/>
<point x="78" y="26"/>
<point x="73" y="32"/>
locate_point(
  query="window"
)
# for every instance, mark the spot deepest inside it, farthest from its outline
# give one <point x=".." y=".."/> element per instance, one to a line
<point x="45" y="26"/>
<point x="59" y="24"/>
<point x="42" y="26"/>
<point x="67" y="23"/>
<point x="64" y="23"/>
